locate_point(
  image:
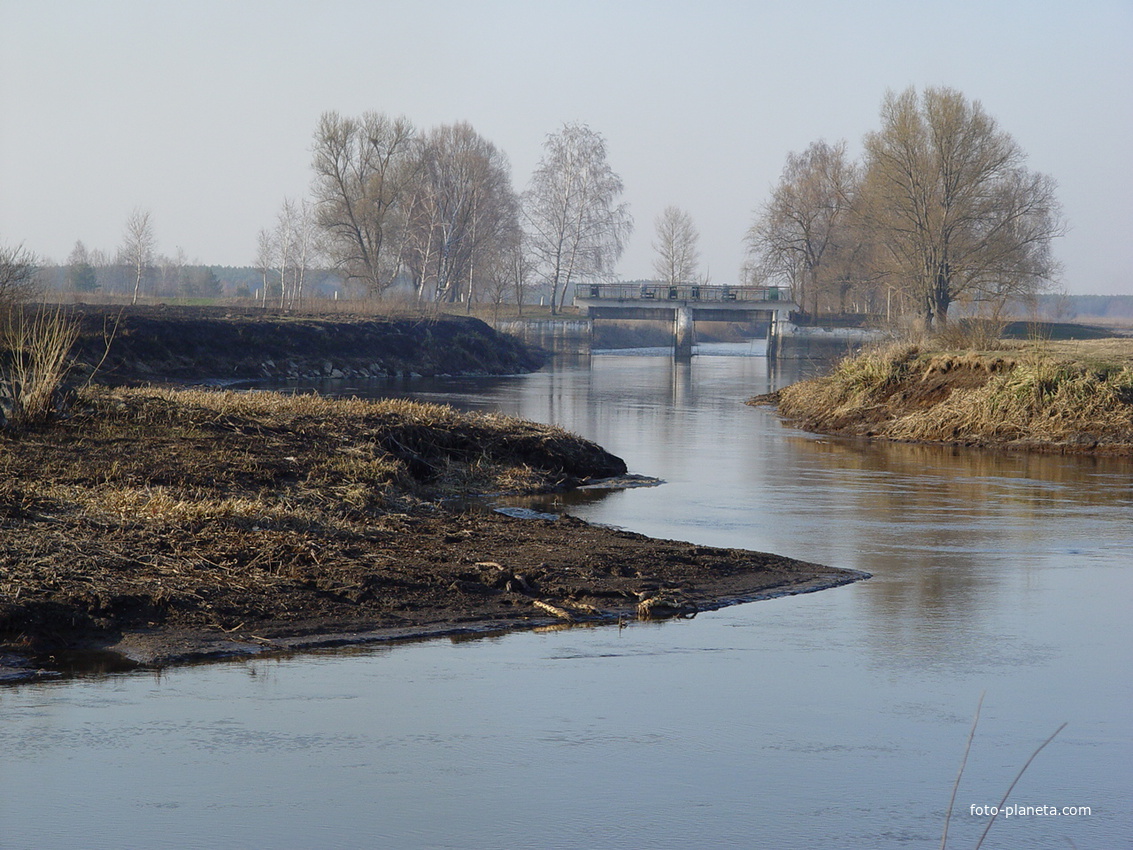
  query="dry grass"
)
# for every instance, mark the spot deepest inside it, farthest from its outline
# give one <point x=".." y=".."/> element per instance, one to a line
<point x="384" y="442"/>
<point x="977" y="334"/>
<point x="1094" y="353"/>
<point x="157" y="463"/>
<point x="1066" y="396"/>
<point x="183" y="480"/>
<point x="184" y="455"/>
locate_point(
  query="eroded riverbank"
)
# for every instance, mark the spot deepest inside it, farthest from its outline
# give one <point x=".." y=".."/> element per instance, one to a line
<point x="148" y="343"/>
<point x="1055" y="397"/>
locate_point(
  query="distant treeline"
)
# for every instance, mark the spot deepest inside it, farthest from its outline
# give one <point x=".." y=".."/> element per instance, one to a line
<point x="203" y="281"/>
<point x="180" y="281"/>
<point x="1089" y="306"/>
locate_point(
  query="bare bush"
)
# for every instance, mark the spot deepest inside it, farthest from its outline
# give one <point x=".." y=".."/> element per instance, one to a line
<point x="19" y="276"/>
<point x="36" y="346"/>
<point x="970" y="334"/>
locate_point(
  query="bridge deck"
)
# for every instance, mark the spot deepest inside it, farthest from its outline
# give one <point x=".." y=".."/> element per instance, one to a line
<point x="732" y="297"/>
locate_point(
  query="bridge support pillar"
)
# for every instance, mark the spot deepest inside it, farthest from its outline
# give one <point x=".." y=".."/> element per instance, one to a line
<point x="773" y="330"/>
<point x="684" y="334"/>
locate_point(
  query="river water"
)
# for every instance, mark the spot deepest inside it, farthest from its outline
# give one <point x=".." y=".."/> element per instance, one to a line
<point x="835" y="719"/>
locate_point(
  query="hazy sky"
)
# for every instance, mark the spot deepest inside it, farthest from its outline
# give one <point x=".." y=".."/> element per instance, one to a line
<point x="202" y="112"/>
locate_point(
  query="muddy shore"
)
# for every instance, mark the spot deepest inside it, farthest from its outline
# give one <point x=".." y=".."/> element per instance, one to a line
<point x="164" y="526"/>
<point x="557" y="574"/>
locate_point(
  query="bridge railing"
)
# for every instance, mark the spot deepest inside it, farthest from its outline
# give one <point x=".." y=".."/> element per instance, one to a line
<point x="681" y="292"/>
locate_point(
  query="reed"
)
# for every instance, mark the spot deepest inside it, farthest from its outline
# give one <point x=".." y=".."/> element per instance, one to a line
<point x="1003" y="801"/>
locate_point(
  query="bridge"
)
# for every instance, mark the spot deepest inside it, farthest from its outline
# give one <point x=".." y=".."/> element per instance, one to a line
<point x="685" y="304"/>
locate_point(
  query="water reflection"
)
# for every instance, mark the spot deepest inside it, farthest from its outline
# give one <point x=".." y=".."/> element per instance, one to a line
<point x="952" y="535"/>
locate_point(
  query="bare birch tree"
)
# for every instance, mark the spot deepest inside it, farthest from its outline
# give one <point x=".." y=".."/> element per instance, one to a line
<point x="138" y="247"/>
<point x="307" y="245"/>
<point x="676" y="244"/>
<point x="418" y="249"/>
<point x="265" y="261"/>
<point x="464" y="212"/>
<point x="290" y="248"/>
<point x="576" y="226"/>
<point x="284" y="240"/>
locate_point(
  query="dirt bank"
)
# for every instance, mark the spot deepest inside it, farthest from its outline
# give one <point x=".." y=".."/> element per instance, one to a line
<point x="1062" y="397"/>
<point x="194" y="343"/>
<point x="169" y="525"/>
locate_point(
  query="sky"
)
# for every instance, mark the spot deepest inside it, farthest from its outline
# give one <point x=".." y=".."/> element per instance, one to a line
<point x="203" y="112"/>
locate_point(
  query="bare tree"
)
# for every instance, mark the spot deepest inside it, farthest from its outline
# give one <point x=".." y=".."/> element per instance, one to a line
<point x="265" y="261"/>
<point x="138" y="247"/>
<point x="173" y="277"/>
<point x="676" y="244"/>
<point x="307" y="246"/>
<point x="518" y="266"/>
<point x="1017" y="263"/>
<point x="289" y="249"/>
<point x="497" y="283"/>
<point x="285" y="235"/>
<point x="802" y="226"/>
<point x="418" y="248"/>
<point x="110" y="274"/>
<point x="364" y="169"/>
<point x="504" y="273"/>
<point x="80" y="273"/>
<point x="19" y="271"/>
<point x="464" y="212"/>
<point x="947" y="195"/>
<point x="577" y="227"/>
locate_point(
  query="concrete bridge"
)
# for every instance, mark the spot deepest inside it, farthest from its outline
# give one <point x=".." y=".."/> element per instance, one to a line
<point x="684" y="304"/>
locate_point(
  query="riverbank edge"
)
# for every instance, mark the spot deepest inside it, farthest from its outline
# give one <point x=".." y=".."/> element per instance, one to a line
<point x="154" y="343"/>
<point x="1023" y="399"/>
<point x="159" y="649"/>
<point x="165" y="526"/>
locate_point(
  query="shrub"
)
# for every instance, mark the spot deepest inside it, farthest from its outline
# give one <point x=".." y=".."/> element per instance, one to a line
<point x="35" y="347"/>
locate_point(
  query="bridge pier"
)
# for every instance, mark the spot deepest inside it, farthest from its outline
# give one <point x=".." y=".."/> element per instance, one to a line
<point x="684" y="332"/>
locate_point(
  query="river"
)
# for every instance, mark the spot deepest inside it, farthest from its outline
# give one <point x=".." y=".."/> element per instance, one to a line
<point x="835" y="719"/>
